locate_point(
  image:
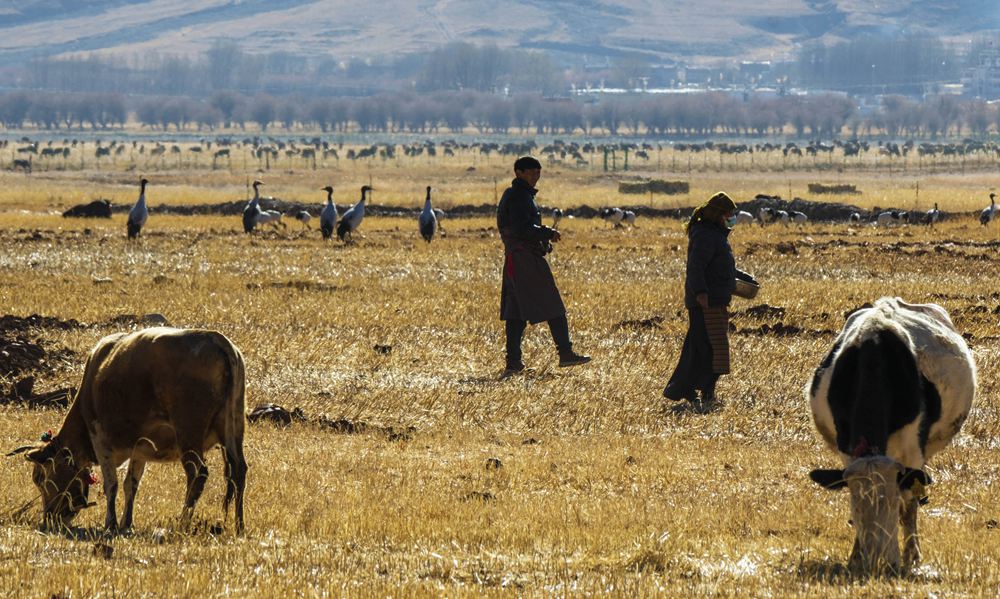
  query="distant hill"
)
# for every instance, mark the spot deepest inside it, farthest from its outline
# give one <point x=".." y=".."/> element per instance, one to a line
<point x="695" y="31"/>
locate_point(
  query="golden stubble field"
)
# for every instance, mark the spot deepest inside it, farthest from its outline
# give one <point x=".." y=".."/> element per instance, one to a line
<point x="600" y="488"/>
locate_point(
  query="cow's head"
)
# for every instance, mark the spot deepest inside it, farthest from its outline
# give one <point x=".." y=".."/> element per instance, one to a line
<point x="64" y="485"/>
<point x="876" y="484"/>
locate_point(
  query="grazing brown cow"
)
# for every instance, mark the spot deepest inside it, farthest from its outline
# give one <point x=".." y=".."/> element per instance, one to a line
<point x="158" y="394"/>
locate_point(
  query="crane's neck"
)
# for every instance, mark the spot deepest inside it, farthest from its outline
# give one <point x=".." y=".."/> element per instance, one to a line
<point x="329" y="198"/>
<point x="364" y="195"/>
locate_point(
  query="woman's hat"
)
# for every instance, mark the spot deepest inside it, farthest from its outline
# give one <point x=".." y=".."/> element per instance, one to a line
<point x="722" y="202"/>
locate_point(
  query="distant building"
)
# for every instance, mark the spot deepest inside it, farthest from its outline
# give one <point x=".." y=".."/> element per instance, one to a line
<point x="754" y="71"/>
<point x="694" y="75"/>
<point x="983" y="80"/>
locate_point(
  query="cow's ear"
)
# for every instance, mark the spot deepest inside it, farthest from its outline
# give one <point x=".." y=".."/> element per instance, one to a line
<point x="42" y="454"/>
<point x="39" y="456"/>
<point x="829" y="479"/>
<point x="910" y="477"/>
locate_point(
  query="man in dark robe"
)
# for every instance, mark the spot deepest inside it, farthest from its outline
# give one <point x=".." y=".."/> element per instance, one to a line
<point x="529" y="292"/>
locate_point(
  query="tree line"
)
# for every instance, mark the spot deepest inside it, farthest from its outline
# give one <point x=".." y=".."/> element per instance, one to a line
<point x="691" y="115"/>
<point x="226" y="66"/>
<point x="906" y="64"/>
<point x="909" y="64"/>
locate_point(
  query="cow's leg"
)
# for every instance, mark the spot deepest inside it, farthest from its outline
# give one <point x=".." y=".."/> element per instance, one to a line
<point x="911" y="541"/>
<point x="110" y="476"/>
<point x="135" y="469"/>
<point x="197" y="472"/>
<point x="236" y="482"/>
<point x="856" y="562"/>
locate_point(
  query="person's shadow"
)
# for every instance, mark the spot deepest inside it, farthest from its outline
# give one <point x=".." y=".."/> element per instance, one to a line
<point x="696" y="407"/>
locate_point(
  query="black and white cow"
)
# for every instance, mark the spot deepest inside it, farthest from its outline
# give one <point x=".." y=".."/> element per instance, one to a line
<point x="893" y="391"/>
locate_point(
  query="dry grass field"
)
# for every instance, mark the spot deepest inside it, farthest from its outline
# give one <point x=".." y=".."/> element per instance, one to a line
<point x="558" y="482"/>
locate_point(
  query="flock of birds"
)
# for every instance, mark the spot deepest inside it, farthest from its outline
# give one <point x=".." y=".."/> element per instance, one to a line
<point x="428" y="221"/>
<point x="767" y="215"/>
<point x="616" y="216"/>
<point x="890" y="218"/>
<point x="329" y="219"/>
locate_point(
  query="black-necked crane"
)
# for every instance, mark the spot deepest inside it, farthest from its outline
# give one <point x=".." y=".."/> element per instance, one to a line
<point x="989" y="212"/>
<point x="139" y="213"/>
<point x="613" y="216"/>
<point x="251" y="213"/>
<point x="303" y="217"/>
<point x="932" y="216"/>
<point x="351" y="219"/>
<point x="427" y="219"/>
<point x="328" y="216"/>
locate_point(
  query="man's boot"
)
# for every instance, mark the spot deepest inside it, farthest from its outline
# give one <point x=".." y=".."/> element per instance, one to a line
<point x="514" y="330"/>
<point x="571" y="358"/>
<point x="560" y="334"/>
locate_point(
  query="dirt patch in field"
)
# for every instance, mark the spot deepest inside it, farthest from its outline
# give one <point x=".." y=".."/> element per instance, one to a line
<point x="653" y="322"/>
<point x="780" y="329"/>
<point x="21" y="324"/>
<point x="298" y="285"/>
<point x="283" y="417"/>
<point x="24" y="356"/>
<point x="762" y="311"/>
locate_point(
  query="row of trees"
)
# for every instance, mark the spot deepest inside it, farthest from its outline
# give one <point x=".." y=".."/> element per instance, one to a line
<point x="700" y="114"/>
<point x="226" y="66"/>
<point x="464" y="66"/>
<point x="906" y="64"/>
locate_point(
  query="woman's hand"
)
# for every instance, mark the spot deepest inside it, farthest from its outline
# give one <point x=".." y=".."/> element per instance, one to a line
<point x="702" y="299"/>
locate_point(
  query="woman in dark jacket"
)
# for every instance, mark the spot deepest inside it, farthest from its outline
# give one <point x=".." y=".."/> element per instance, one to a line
<point x="708" y="288"/>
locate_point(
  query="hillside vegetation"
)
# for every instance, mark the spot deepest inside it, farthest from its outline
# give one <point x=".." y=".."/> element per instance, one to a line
<point x="673" y="29"/>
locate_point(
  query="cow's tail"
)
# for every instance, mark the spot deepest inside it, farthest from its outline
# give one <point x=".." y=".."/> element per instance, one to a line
<point x="235" y="423"/>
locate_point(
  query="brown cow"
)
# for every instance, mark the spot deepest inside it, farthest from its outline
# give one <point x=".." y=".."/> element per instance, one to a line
<point x="158" y="394"/>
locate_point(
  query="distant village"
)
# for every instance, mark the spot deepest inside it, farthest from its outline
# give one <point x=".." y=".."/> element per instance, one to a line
<point x="767" y="79"/>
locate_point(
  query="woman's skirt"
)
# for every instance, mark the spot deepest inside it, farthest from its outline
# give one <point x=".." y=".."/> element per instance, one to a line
<point x="705" y="353"/>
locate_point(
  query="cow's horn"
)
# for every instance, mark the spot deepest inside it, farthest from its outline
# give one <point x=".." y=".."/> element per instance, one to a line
<point x="21" y="449"/>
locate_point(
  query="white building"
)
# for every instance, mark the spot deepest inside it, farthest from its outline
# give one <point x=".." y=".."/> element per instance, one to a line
<point x="983" y="80"/>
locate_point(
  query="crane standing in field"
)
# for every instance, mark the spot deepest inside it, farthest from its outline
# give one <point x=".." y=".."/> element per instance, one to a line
<point x="989" y="212"/>
<point x="139" y="213"/>
<point x="427" y="219"/>
<point x="251" y="213"/>
<point x="328" y="217"/>
<point x="353" y="217"/>
<point x="932" y="216"/>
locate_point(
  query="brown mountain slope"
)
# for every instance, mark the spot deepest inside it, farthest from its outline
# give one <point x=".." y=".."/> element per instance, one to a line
<point x="699" y="30"/>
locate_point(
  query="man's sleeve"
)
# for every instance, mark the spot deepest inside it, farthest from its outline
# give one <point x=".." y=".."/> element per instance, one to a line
<point x="522" y="222"/>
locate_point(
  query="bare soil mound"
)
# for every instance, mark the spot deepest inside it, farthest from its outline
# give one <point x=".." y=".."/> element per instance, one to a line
<point x="24" y="356"/>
